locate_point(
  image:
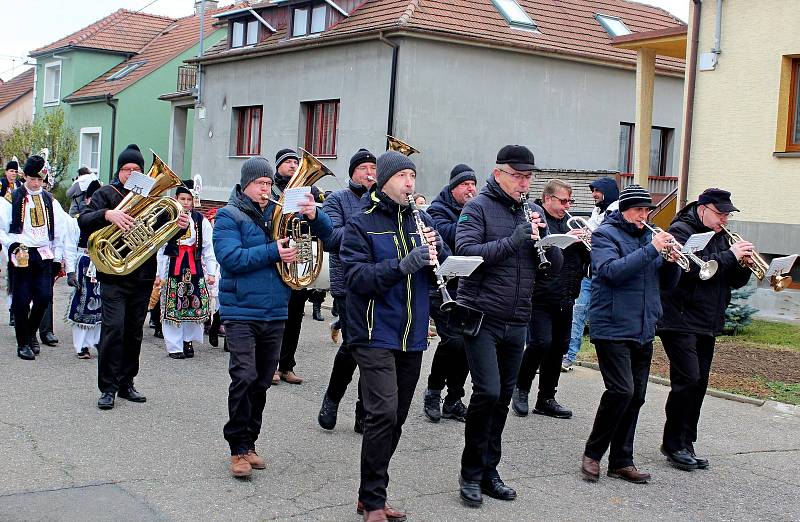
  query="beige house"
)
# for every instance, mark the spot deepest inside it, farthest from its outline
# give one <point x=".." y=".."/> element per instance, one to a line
<point x="16" y="100"/>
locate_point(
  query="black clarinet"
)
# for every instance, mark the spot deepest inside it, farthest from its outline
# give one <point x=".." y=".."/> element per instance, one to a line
<point x="544" y="263"/>
<point x="447" y="301"/>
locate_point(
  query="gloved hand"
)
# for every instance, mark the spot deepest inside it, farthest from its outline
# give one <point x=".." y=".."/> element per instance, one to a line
<point x="418" y="258"/>
<point x="72" y="280"/>
<point x="521" y="234"/>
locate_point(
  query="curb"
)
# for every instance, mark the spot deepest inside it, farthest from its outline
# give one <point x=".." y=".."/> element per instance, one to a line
<point x="710" y="391"/>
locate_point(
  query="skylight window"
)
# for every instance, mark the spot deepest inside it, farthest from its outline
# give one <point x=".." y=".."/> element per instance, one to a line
<point x="613" y="25"/>
<point x="125" y="71"/>
<point x="515" y="15"/>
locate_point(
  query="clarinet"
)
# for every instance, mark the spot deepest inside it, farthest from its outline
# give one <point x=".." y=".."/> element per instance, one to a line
<point x="447" y="301"/>
<point x="544" y="263"/>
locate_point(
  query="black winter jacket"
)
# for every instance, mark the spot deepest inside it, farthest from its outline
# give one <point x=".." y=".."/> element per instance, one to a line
<point x="501" y="287"/>
<point x="340" y="206"/>
<point x="698" y="306"/>
<point x="561" y="288"/>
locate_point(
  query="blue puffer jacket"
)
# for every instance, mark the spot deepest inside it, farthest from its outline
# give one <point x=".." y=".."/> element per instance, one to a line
<point x="385" y="309"/>
<point x="502" y="286"/>
<point x="250" y="288"/>
<point x="340" y="206"/>
<point x="628" y="275"/>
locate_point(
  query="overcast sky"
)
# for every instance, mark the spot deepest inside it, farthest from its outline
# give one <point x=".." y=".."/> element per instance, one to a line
<point x="22" y="31"/>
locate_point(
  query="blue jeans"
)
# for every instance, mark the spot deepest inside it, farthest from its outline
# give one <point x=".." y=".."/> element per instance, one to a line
<point x="579" y="312"/>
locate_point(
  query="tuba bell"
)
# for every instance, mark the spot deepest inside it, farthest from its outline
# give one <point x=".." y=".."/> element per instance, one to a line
<point x="302" y="272"/>
<point x="400" y="146"/>
<point x="117" y="252"/>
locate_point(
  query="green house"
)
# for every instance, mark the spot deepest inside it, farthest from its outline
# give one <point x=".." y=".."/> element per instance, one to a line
<point x="108" y="76"/>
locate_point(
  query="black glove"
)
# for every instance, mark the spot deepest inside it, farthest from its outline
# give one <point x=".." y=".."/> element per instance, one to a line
<point x="521" y="234"/>
<point x="416" y="259"/>
<point x="72" y="280"/>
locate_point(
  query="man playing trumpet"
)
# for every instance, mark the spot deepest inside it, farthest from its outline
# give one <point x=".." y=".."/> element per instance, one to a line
<point x="694" y="314"/>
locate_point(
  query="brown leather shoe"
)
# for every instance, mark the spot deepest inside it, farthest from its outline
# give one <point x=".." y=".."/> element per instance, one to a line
<point x="392" y="514"/>
<point x="291" y="377"/>
<point x="379" y="515"/>
<point x="276" y="378"/>
<point x="631" y="474"/>
<point x="590" y="469"/>
<point x="240" y="467"/>
<point x="256" y="462"/>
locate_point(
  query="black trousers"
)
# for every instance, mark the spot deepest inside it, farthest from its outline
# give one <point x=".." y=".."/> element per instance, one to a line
<point x="494" y="357"/>
<point x="255" y="348"/>
<point x="449" y="366"/>
<point x="344" y="364"/>
<point x="124" y="307"/>
<point x="690" y="358"/>
<point x="625" y="366"/>
<point x="291" y="333"/>
<point x="46" y="324"/>
<point x="548" y="340"/>
<point x="32" y="284"/>
<point x="388" y="380"/>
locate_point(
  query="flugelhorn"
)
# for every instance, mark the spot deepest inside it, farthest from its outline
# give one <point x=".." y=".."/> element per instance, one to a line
<point x="685" y="259"/>
<point x="579" y="223"/>
<point x="447" y="302"/>
<point x="757" y="264"/>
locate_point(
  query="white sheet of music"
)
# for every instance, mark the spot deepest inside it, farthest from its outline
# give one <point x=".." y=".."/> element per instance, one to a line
<point x="459" y="266"/>
<point x="561" y="241"/>
<point x="139" y="183"/>
<point x="293" y="197"/>
<point x="781" y="265"/>
<point x="697" y="242"/>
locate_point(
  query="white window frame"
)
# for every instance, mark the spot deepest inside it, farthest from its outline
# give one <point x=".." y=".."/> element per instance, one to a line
<point x="86" y="131"/>
<point x="516" y="16"/>
<point x="242" y="35"/>
<point x="47" y="73"/>
<point x="307" y="10"/>
<point x="314" y="11"/>
<point x="607" y="22"/>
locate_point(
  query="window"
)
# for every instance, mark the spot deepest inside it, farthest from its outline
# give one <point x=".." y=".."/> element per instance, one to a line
<point x="613" y="25"/>
<point x="793" y="134"/>
<point x="90" y="148"/>
<point x="322" y="125"/>
<point x="244" y="33"/>
<point x="52" y="83"/>
<point x="125" y="71"/>
<point x="307" y="20"/>
<point x="248" y="130"/>
<point x="660" y="148"/>
<point x="515" y="15"/>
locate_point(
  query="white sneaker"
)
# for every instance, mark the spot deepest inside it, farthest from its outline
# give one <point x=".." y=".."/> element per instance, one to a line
<point x="566" y="365"/>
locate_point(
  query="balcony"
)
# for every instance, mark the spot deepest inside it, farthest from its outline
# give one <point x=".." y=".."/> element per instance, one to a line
<point x="187" y="78"/>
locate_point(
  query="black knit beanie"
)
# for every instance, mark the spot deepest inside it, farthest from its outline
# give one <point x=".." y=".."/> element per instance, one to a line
<point x="283" y="155"/>
<point x="460" y="174"/>
<point x="361" y="156"/>
<point x="131" y="154"/>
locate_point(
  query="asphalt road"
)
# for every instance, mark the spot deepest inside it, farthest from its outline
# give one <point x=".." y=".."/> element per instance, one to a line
<point x="63" y="459"/>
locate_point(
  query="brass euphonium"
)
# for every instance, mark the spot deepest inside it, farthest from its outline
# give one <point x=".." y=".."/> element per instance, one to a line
<point x="117" y="252"/>
<point x="400" y="146"/>
<point x="302" y="272"/>
<point x="757" y="264"/>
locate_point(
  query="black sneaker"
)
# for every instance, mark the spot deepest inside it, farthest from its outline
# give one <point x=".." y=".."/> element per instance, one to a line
<point x="188" y="349"/>
<point x="328" y="413"/>
<point x="358" y="426"/>
<point x="433" y="399"/>
<point x="551" y="408"/>
<point x="456" y="411"/>
<point x="519" y="402"/>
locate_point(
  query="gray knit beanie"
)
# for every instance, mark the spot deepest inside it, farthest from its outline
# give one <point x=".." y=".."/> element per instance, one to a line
<point x="389" y="164"/>
<point x="254" y="168"/>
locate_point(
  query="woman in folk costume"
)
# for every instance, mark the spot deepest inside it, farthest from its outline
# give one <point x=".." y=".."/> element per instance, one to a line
<point x="185" y="295"/>
<point x="84" y="309"/>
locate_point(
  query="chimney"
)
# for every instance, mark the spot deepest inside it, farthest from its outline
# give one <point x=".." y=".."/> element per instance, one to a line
<point x="209" y="4"/>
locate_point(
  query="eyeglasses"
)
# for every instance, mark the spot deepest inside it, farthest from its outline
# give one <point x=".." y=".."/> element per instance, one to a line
<point x="717" y="212"/>
<point x="517" y="176"/>
<point x="263" y="183"/>
<point x="564" y="201"/>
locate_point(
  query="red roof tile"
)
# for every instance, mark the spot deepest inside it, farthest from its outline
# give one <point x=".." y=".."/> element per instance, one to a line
<point x="15" y="88"/>
<point x="121" y="31"/>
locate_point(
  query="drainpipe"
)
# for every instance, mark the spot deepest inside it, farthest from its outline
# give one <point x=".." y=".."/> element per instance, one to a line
<point x="688" y="117"/>
<point x="112" y="103"/>
<point x="718" y="30"/>
<point x="200" y="54"/>
<point x="393" y="84"/>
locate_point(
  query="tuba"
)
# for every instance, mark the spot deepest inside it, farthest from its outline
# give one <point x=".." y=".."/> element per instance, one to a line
<point x="302" y="272"/>
<point x="117" y="252"/>
<point x="400" y="146"/>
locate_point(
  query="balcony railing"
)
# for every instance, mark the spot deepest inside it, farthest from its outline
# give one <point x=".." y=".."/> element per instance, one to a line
<point x="187" y="77"/>
<point x="658" y="186"/>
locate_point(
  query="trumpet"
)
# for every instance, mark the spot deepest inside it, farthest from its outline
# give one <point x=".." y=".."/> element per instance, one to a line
<point x="685" y="259"/>
<point x="757" y="264"/>
<point x="544" y="263"/>
<point x="579" y="223"/>
<point x="447" y="302"/>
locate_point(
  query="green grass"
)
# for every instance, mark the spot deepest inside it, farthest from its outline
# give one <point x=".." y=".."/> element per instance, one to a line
<point x="784" y="392"/>
<point x="768" y="333"/>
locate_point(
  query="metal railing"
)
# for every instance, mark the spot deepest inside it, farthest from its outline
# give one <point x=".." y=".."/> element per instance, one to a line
<point x="187" y="77"/>
<point x="658" y="186"/>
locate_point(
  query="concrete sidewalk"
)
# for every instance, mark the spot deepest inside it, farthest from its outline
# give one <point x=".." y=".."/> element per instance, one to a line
<point x="63" y="459"/>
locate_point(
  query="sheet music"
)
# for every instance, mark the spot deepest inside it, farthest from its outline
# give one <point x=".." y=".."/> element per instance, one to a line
<point x="459" y="266"/>
<point x="139" y="183"/>
<point x="697" y="242"/>
<point x="780" y="265"/>
<point x="561" y="241"/>
<point x="293" y="197"/>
